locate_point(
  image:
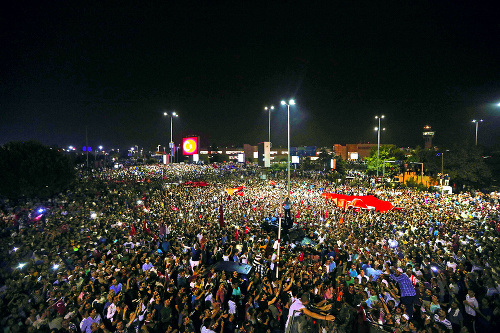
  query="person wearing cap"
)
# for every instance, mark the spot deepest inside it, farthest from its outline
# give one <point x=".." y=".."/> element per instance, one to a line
<point x="408" y="292"/>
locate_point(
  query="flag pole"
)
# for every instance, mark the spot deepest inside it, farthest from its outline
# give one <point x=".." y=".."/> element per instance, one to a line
<point x="279" y="235"/>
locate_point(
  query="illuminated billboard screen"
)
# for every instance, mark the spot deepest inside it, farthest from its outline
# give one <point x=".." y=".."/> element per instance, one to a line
<point x="190" y="145"/>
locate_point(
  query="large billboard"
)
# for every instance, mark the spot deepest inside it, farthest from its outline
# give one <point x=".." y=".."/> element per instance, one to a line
<point x="190" y="145"/>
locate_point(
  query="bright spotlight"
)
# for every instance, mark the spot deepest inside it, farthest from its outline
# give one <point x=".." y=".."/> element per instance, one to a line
<point x="292" y="102"/>
<point x="283" y="103"/>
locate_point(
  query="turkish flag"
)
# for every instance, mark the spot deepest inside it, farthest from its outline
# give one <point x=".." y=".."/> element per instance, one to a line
<point x="132" y="230"/>
<point x="272" y="183"/>
<point x="247" y="230"/>
<point x="298" y="214"/>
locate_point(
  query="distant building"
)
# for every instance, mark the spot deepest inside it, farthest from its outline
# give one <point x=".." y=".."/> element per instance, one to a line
<point x="354" y="151"/>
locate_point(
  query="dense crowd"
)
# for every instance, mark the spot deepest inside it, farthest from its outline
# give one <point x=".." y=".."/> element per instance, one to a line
<point x="134" y="249"/>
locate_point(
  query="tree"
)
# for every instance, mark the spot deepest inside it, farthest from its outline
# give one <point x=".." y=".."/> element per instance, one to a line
<point x="340" y="165"/>
<point x="387" y="153"/>
<point x="466" y="166"/>
<point x="306" y="164"/>
<point x="30" y="169"/>
<point x="324" y="158"/>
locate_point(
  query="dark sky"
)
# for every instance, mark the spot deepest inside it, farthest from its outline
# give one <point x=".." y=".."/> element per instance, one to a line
<point x="115" y="68"/>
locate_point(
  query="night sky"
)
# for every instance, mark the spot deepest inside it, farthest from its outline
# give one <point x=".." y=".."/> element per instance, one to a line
<point x="115" y="68"/>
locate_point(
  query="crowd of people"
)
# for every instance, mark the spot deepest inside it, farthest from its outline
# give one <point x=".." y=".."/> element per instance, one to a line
<point x="135" y="250"/>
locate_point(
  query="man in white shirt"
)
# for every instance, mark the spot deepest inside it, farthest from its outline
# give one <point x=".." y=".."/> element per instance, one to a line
<point x="470" y="304"/>
<point x="298" y="308"/>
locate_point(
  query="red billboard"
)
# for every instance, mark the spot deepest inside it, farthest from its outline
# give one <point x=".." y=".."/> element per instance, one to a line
<point x="190" y="145"/>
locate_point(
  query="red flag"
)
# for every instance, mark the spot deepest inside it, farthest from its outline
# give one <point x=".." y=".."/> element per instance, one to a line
<point x="237" y="236"/>
<point x="298" y="215"/>
<point x="60" y="306"/>
<point x="145" y="226"/>
<point x="341" y="219"/>
<point x="174" y="208"/>
<point x="247" y="230"/>
<point x="239" y="193"/>
<point x="272" y="183"/>
<point x="326" y="214"/>
<point x="132" y="230"/>
<point x="301" y="257"/>
<point x="221" y="217"/>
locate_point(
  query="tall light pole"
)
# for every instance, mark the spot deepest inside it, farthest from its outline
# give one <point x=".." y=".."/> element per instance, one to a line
<point x="290" y="102"/>
<point x="442" y="160"/>
<point x="172" y="115"/>
<point x="477" y="125"/>
<point x="269" y="109"/>
<point x="378" y="139"/>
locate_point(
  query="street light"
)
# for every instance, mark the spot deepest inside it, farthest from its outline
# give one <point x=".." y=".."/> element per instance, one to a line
<point x="477" y="125"/>
<point x="269" y="109"/>
<point x="172" y="115"/>
<point x="442" y="170"/>
<point x="290" y="102"/>
<point x="378" y="139"/>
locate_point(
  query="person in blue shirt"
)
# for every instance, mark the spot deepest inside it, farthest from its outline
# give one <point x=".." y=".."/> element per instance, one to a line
<point x="116" y="287"/>
<point x="374" y="273"/>
<point x="332" y="265"/>
<point x="352" y="271"/>
<point x="86" y="323"/>
<point x="147" y="265"/>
